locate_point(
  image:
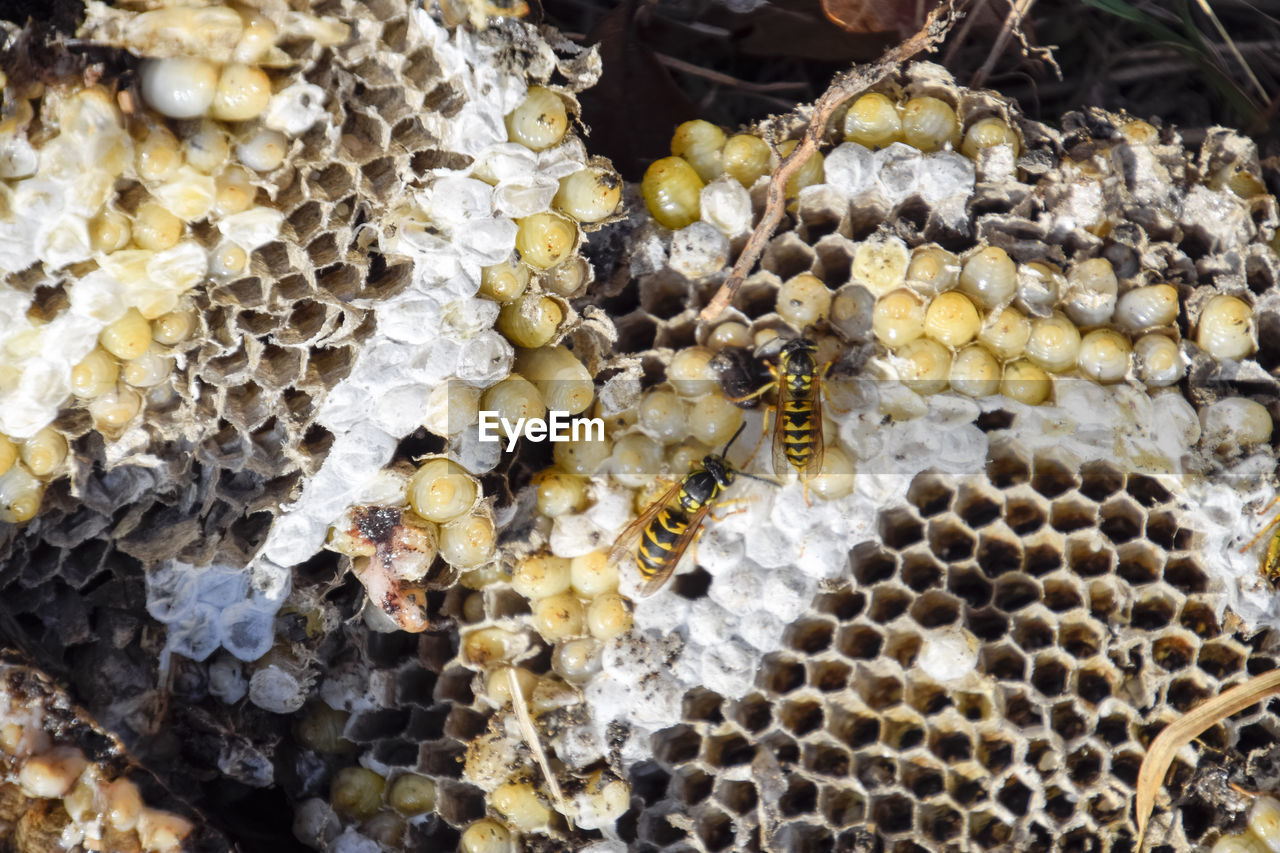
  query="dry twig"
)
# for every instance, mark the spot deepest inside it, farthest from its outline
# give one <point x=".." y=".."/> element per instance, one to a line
<point x="845" y="86"/>
<point x="1187" y="728"/>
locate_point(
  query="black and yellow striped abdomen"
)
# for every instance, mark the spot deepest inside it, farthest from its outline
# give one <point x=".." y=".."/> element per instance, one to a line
<point x="798" y="427"/>
<point x="659" y="540"/>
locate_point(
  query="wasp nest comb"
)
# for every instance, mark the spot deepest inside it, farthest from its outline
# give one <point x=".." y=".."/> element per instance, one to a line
<point x="271" y="274"/>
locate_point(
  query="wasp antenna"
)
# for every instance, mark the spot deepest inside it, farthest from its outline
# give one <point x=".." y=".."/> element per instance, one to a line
<point x="773" y="483"/>
<point x="732" y="438"/>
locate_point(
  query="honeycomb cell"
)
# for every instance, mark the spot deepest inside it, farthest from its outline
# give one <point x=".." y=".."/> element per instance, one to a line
<point x="828" y="675"/>
<point x="810" y="636"/>
<point x="877" y="692"/>
<point x="998" y="554"/>
<point x="1062" y="593"/>
<point x="691" y="785"/>
<point x="899" y="529"/>
<point x="871" y="565"/>
<point x="1049" y="674"/>
<point x="1025" y="514"/>
<point x="728" y="751"/>
<point x="950" y="541"/>
<point x="1015" y="796"/>
<point x="922" y="779"/>
<point x="1080" y="639"/>
<point x="737" y="796"/>
<point x="970" y="586"/>
<point x="781" y="675"/>
<point x="1068" y="721"/>
<point x="715" y="830"/>
<point x="1100" y="480"/>
<point x="827" y="760"/>
<point x="753" y="712"/>
<point x="1120" y="520"/>
<point x="935" y="609"/>
<point x="931" y="494"/>
<point x="893" y="814"/>
<point x="1220" y="659"/>
<point x="800" y="717"/>
<point x="1185" y="574"/>
<point x="1053" y="477"/>
<point x="1014" y="592"/>
<point x="1073" y="513"/>
<point x="888" y="603"/>
<point x="920" y="571"/>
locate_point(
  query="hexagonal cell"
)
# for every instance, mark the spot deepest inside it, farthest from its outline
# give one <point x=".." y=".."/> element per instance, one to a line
<point x="826" y="759"/>
<point x="1104" y="595"/>
<point x="780" y="674"/>
<point x="1072" y="513"/>
<point x="998" y="554"/>
<point x="978" y="507"/>
<point x="926" y="696"/>
<point x="859" y="642"/>
<point x="920" y="571"/>
<point x="1100" y="480"/>
<point x="855" y="729"/>
<point x="935" y="609"/>
<point x="691" y="785"/>
<point x="703" y="705"/>
<point x="899" y="528"/>
<point x="1003" y="663"/>
<point x="878" y="692"/>
<point x="1025" y="513"/>
<point x="800" y="717"/>
<point x="810" y="635"/>
<point x="1094" y="683"/>
<point x="1173" y="651"/>
<point x="1084" y="765"/>
<point x="1120" y="520"/>
<point x="1153" y="611"/>
<point x="1049" y="674"/>
<point x="1015" y="796"/>
<point x="1067" y="720"/>
<point x="950" y="541"/>
<point x="828" y="675"/>
<point x="941" y="822"/>
<point x="893" y="814"/>
<point x="1080" y="638"/>
<point x="967" y="784"/>
<point x="1088" y="557"/>
<point x="903" y="647"/>
<point x="1185" y="575"/>
<point x="843" y="604"/>
<point x="987" y="624"/>
<point x="973" y="706"/>
<point x="715" y="829"/>
<point x="1062" y="593"/>
<point x="1007" y="464"/>
<point x="950" y="746"/>
<point x="888" y="603"/>
<point x="875" y="771"/>
<point x="737" y="796"/>
<point x="971" y="586"/>
<point x="995" y="754"/>
<point x="753" y="712"/>
<point x="903" y="729"/>
<point x="842" y="806"/>
<point x="871" y="564"/>
<point x="1014" y="592"/>
<point x="1187" y="692"/>
<point x="677" y="744"/>
<point x="1199" y="618"/>
<point x="1054" y="475"/>
<point x="729" y="751"/>
<point x="1162" y="529"/>
<point x="1221" y="659"/>
<point x="1042" y="558"/>
<point x="930" y="493"/>
<point x="1147" y="491"/>
<point x="922" y="779"/>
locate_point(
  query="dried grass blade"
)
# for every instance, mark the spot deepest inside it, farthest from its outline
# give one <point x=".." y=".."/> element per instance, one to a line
<point x="1187" y="728"/>
<point x="530" y="733"/>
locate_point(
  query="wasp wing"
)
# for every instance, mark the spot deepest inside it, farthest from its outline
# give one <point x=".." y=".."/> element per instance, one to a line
<point x="626" y="541"/>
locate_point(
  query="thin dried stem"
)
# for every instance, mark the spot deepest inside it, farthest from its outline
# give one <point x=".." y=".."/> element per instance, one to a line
<point x="530" y="732"/>
<point x="845" y="86"/>
<point x="1187" y="728"/>
<point x="1012" y="24"/>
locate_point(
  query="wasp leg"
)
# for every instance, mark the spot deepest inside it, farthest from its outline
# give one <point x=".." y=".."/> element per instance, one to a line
<point x="725" y="504"/>
<point x="762" y="390"/>
<point x="770" y="413"/>
<point x="1269" y="525"/>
